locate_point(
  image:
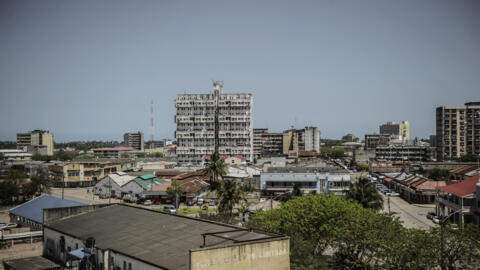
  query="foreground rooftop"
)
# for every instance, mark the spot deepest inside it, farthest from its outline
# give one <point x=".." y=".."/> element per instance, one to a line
<point x="160" y="239"/>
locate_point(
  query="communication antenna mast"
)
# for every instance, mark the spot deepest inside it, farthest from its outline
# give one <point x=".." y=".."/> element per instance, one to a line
<point x="151" y="124"/>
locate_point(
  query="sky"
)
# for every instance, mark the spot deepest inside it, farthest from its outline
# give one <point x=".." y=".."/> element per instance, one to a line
<point x="87" y="70"/>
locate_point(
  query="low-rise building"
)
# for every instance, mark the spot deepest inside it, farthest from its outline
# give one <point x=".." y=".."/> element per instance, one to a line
<point x="113" y="152"/>
<point x="322" y="180"/>
<point x="30" y="214"/>
<point x="127" y="237"/>
<point x="460" y="198"/>
<point x="112" y="185"/>
<point x="83" y="173"/>
<point x="12" y="155"/>
<point x="140" y="184"/>
<point x="403" y="152"/>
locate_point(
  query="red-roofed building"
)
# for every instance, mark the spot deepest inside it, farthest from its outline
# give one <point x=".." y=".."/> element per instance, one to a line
<point x="460" y="197"/>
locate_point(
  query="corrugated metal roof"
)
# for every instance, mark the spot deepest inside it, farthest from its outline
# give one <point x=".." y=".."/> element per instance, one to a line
<point x="151" y="236"/>
<point x="121" y="179"/>
<point x="33" y="209"/>
<point x="463" y="188"/>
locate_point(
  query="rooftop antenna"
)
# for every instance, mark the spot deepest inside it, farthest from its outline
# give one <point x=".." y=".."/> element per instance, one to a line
<point x="151" y="124"/>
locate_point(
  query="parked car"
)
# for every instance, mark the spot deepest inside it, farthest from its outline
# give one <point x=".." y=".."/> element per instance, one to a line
<point x="200" y="201"/>
<point x="430" y="215"/>
<point x="190" y="203"/>
<point x="147" y="202"/>
<point x="168" y="201"/>
<point x="103" y="196"/>
<point x="262" y="199"/>
<point x="169" y="209"/>
<point x="436" y="219"/>
<point x="212" y="203"/>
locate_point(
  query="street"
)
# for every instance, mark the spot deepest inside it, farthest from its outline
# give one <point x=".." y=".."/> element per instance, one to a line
<point x="412" y="215"/>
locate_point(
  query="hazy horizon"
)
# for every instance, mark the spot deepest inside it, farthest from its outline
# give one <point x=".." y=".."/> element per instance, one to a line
<point x="87" y="70"/>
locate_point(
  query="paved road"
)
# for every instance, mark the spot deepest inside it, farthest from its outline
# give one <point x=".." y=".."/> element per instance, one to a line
<point x="80" y="195"/>
<point x="412" y="215"/>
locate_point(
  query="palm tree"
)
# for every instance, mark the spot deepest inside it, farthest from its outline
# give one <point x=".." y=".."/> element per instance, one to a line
<point x="229" y="194"/>
<point x="215" y="169"/>
<point x="366" y="194"/>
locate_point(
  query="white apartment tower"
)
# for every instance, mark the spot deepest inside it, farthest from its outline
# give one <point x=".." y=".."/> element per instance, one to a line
<point x="196" y="125"/>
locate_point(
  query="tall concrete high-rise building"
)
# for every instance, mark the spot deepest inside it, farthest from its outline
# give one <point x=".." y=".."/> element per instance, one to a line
<point x="134" y="140"/>
<point x="402" y="130"/>
<point x="37" y="141"/>
<point x="458" y="131"/>
<point x="198" y="133"/>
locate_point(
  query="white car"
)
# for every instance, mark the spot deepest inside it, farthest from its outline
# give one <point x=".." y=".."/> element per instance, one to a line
<point x="262" y="199"/>
<point x="147" y="202"/>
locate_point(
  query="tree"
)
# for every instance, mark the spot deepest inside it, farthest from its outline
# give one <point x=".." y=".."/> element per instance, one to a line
<point x="214" y="169"/>
<point x="244" y="209"/>
<point x="2" y="156"/>
<point x="229" y="194"/>
<point x="296" y="192"/>
<point x="366" y="194"/>
<point x="40" y="183"/>
<point x="436" y="174"/>
<point x="175" y="190"/>
<point x="461" y="246"/>
<point x="468" y="158"/>
<point x="15" y="174"/>
<point x="141" y="155"/>
<point x="8" y="191"/>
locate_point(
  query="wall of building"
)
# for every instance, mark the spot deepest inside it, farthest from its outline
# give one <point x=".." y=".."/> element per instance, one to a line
<point x="244" y="256"/>
<point x="52" y="214"/>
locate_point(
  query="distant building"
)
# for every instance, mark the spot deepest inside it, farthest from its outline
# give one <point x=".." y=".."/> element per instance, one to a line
<point x="134" y="140"/>
<point x="128" y="237"/>
<point x="458" y="131"/>
<point x="113" y="152"/>
<point x="267" y="144"/>
<point x="196" y="126"/>
<point x="258" y="140"/>
<point x="350" y="138"/>
<point x="301" y="140"/>
<point x="37" y="141"/>
<point x="372" y="141"/>
<point x="12" y="155"/>
<point x="403" y="152"/>
<point x="401" y="130"/>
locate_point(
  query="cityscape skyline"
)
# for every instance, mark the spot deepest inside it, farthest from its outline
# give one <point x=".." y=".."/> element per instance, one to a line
<point x="84" y="72"/>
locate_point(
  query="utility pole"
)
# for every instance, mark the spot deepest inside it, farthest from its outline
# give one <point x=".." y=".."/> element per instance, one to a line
<point x="63" y="188"/>
<point x="388" y="199"/>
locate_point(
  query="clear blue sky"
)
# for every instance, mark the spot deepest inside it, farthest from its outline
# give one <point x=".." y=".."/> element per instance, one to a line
<point x="88" y="69"/>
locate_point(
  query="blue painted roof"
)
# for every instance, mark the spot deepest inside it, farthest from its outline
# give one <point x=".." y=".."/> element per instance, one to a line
<point x="33" y="209"/>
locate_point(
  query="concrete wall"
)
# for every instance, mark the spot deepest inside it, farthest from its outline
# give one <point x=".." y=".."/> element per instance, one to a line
<point x="52" y="214"/>
<point x="252" y="256"/>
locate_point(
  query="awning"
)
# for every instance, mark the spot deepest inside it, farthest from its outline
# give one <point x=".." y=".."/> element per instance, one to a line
<point x="388" y="179"/>
<point x="79" y="253"/>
